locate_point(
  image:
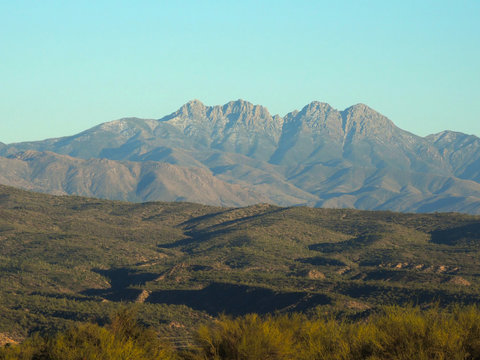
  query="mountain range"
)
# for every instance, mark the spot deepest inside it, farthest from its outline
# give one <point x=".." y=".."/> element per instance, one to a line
<point x="239" y="154"/>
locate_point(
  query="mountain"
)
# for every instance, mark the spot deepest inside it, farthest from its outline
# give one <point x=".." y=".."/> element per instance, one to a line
<point x="460" y="151"/>
<point x="69" y="258"/>
<point x="120" y="180"/>
<point x="318" y="156"/>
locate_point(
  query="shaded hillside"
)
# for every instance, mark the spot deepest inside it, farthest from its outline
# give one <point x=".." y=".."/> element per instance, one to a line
<point x="318" y="156"/>
<point x="120" y="180"/>
<point x="72" y="258"/>
<point x="461" y="151"/>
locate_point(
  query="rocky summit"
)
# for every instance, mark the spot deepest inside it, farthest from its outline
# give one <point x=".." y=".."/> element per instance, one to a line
<point x="239" y="154"/>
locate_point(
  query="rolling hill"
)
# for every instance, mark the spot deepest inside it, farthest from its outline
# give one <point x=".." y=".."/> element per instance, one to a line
<point x="68" y="258"/>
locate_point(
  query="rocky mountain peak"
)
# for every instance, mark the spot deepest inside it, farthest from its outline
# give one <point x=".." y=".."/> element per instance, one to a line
<point x="364" y="120"/>
<point x="223" y="118"/>
<point x="193" y="108"/>
<point x="245" y="107"/>
<point x="362" y="112"/>
<point x="361" y="108"/>
<point x="235" y="107"/>
<point x="315" y="109"/>
<point x="317" y="105"/>
<point x="317" y="116"/>
<point x="445" y="136"/>
<point x="240" y="105"/>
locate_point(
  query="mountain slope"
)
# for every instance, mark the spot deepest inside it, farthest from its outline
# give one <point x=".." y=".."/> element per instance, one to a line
<point x="461" y="151"/>
<point x="133" y="181"/>
<point x="317" y="156"/>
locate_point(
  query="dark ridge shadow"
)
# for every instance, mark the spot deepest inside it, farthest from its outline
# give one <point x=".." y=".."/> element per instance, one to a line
<point x="321" y="261"/>
<point x="200" y="267"/>
<point x="201" y="218"/>
<point x="182" y="242"/>
<point x="124" y="151"/>
<point x="466" y="235"/>
<point x="190" y="224"/>
<point x="347" y="245"/>
<point x="160" y="153"/>
<point x="236" y="300"/>
<point x="114" y="295"/>
<point x="404" y="276"/>
<point x="198" y="236"/>
<point x="120" y="281"/>
<point x="391" y="295"/>
<point x="195" y="237"/>
<point x="4" y="198"/>
<point x="86" y="206"/>
<point x="74" y="297"/>
<point x="244" y="219"/>
<point x="123" y="277"/>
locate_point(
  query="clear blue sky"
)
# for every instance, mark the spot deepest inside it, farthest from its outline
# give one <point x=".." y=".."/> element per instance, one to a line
<point x="66" y="66"/>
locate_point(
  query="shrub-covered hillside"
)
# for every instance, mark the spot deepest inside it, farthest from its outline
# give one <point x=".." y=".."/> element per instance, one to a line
<point x="67" y="259"/>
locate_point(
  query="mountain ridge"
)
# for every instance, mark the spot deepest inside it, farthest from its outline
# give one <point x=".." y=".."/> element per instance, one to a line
<point x="317" y="156"/>
<point x="139" y="181"/>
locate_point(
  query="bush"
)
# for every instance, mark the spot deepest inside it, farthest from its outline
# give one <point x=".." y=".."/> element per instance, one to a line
<point x="396" y="333"/>
<point x="122" y="339"/>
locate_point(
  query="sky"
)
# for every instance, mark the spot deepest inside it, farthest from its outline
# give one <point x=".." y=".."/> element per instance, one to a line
<point x="66" y="66"/>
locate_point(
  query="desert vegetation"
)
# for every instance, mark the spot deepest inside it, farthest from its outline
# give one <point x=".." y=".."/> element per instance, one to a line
<point x="121" y="338"/>
<point x="393" y="333"/>
<point x="68" y="260"/>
